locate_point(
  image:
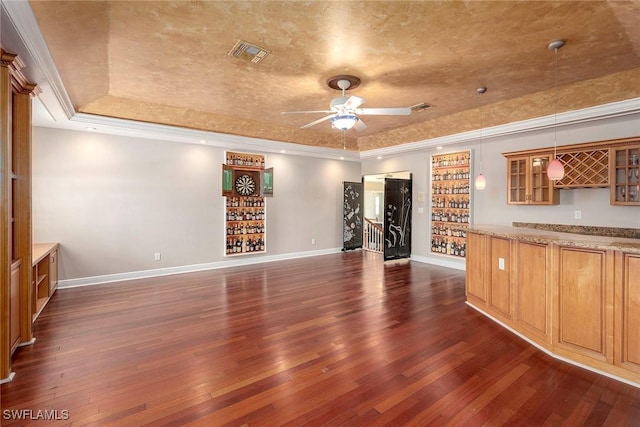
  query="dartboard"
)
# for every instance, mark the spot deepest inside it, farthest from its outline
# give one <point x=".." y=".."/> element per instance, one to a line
<point x="245" y="185"/>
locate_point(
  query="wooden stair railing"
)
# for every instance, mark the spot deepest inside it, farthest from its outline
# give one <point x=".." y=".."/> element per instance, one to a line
<point x="373" y="238"/>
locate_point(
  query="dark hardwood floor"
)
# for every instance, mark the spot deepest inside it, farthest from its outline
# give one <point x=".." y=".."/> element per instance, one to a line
<point x="340" y="339"/>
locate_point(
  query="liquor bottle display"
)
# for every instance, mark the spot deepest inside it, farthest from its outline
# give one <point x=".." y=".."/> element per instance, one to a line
<point x="245" y="209"/>
<point x="450" y="203"/>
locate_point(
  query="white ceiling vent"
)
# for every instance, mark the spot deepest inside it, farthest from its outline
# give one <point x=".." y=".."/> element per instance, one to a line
<point x="248" y="52"/>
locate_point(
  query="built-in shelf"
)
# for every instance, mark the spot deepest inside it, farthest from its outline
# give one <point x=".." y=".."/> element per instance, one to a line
<point x="450" y="203"/>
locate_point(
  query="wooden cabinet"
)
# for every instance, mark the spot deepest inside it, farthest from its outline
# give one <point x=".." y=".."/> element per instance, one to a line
<point x="532" y="291"/>
<point x="488" y="274"/>
<point x="579" y="303"/>
<point x="624" y="170"/>
<point x="450" y="203"/>
<point x="44" y="276"/>
<point x="614" y="163"/>
<point x="476" y="269"/>
<point x="15" y="206"/>
<point x="627" y="308"/>
<point x="527" y="181"/>
<point x="585" y="304"/>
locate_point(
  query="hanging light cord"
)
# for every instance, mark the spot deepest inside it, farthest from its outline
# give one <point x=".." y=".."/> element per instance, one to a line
<point x="555" y="107"/>
<point x="481" y="129"/>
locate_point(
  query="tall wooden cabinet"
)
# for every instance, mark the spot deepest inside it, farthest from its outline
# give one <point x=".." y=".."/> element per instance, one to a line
<point x="15" y="208"/>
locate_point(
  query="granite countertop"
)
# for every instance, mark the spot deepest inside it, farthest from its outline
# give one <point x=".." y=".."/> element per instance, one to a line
<point x="560" y="238"/>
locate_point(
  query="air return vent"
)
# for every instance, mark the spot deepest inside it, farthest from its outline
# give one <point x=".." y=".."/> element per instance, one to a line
<point x="248" y="52"/>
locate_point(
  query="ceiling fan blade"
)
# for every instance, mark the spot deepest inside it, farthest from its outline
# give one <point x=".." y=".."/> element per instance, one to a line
<point x="359" y="126"/>
<point x="353" y="102"/>
<point x="384" y="111"/>
<point x="306" y="112"/>
<point x="315" y="122"/>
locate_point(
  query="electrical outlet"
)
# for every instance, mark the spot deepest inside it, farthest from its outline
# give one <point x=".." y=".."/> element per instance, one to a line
<point x="577" y="214"/>
<point x="157" y="256"/>
<point x="313" y="241"/>
<point x="501" y="263"/>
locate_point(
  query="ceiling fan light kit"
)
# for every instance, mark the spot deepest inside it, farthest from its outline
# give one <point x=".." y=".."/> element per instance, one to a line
<point x="344" y="122"/>
<point x="344" y="111"/>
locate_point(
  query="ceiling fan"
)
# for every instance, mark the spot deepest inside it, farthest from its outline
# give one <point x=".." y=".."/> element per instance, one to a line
<point x="344" y="111"/>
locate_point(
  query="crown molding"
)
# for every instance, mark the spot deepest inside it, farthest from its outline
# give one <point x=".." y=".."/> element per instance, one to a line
<point x="135" y="129"/>
<point x="58" y="106"/>
<point x="37" y="54"/>
<point x="600" y="112"/>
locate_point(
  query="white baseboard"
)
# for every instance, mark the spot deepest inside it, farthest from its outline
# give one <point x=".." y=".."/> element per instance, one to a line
<point x="232" y="262"/>
<point x="550" y="353"/>
<point x="442" y="261"/>
<point x="8" y="379"/>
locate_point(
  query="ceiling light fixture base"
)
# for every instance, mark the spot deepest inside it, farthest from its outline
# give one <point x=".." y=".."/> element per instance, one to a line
<point x="556" y="44"/>
<point x="334" y="82"/>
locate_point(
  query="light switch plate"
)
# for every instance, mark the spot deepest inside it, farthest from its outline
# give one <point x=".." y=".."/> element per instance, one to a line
<point x="501" y="263"/>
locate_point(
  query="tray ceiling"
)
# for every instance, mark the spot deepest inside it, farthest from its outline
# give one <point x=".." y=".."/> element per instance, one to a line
<point x="166" y="62"/>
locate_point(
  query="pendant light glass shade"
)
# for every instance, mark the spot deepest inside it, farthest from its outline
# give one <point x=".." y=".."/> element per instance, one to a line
<point x="481" y="182"/>
<point x="555" y="170"/>
<point x="344" y="121"/>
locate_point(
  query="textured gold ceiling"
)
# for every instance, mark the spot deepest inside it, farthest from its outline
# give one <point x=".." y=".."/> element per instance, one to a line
<point x="166" y="62"/>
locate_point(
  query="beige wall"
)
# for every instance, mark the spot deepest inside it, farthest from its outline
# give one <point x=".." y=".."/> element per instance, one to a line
<point x="112" y="202"/>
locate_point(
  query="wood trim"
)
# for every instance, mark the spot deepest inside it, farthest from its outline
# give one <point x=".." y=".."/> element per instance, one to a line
<point x="611" y="143"/>
<point x="627" y="312"/>
<point x="22" y="197"/>
<point x="5" y="214"/>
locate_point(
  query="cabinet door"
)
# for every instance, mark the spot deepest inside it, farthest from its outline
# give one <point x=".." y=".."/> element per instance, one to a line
<point x="532" y="312"/>
<point x="585" y="319"/>
<point x="528" y="183"/>
<point x="629" y="336"/>
<point x="624" y="178"/>
<point x="14" y="308"/>
<point x="541" y="191"/>
<point x="517" y="181"/>
<point x="476" y="289"/>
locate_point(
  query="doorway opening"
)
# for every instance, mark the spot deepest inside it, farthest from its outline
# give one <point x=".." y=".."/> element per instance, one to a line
<point x="387" y="204"/>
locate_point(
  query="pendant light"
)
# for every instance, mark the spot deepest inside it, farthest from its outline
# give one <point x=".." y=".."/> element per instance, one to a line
<point x="555" y="170"/>
<point x="480" y="182"/>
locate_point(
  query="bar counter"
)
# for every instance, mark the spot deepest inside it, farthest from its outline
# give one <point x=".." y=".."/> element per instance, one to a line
<point x="575" y="296"/>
